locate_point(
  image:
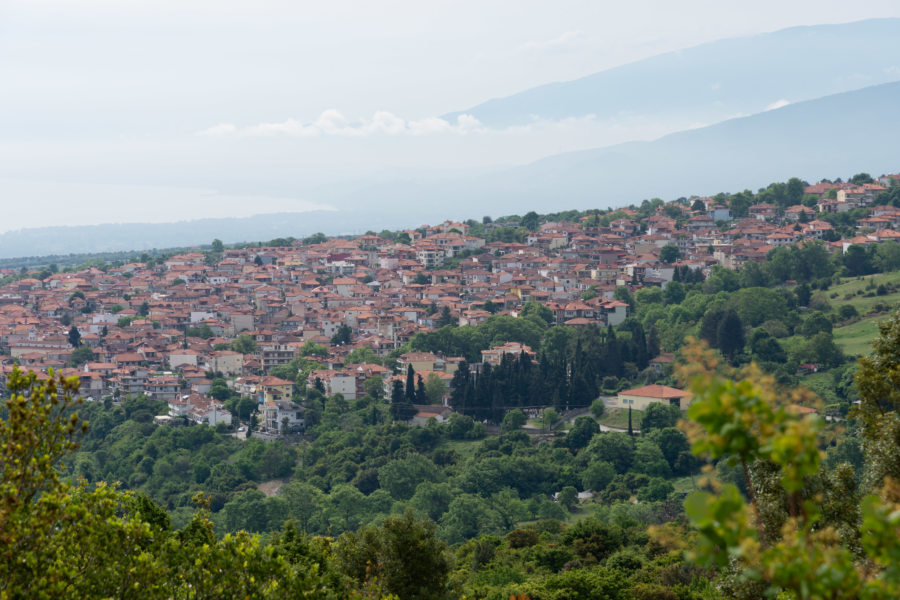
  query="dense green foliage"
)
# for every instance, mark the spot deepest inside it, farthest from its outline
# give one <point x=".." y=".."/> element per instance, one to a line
<point x="90" y="540"/>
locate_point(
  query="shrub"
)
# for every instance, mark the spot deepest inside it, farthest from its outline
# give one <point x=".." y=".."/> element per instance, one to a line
<point x="522" y="538"/>
<point x="847" y="311"/>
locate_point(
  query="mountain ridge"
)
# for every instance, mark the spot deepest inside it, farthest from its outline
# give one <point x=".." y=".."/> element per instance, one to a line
<point x="828" y="137"/>
<point x="718" y="79"/>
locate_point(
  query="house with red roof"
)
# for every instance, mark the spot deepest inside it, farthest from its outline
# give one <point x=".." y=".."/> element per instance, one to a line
<point x="641" y="397"/>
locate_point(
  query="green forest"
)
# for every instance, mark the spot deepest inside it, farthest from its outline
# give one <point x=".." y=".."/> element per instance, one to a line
<point x="741" y="499"/>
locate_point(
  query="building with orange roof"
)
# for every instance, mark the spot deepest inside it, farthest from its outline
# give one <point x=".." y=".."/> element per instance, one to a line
<point x="641" y="397"/>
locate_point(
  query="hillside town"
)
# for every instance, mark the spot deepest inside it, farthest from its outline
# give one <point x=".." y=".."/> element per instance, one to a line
<point x="166" y="327"/>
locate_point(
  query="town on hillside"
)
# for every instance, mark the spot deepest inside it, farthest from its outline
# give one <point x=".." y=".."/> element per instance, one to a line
<point x="166" y="327"/>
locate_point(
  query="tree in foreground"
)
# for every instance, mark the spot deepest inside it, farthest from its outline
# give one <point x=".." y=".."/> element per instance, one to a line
<point x="65" y="540"/>
<point x="803" y="532"/>
<point x="402" y="556"/>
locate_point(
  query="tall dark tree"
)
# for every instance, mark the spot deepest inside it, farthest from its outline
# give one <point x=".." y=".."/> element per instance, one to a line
<point x="483" y="396"/>
<point x="421" y="395"/>
<point x="397" y="395"/>
<point x="709" y="326"/>
<point x="74" y="337"/>
<point x="730" y="335"/>
<point x="460" y="388"/>
<point x="612" y="357"/>
<point x="402" y="408"/>
<point x="653" y="343"/>
<point x="857" y="261"/>
<point x="803" y="294"/>
<point x="403" y="411"/>
<point x="638" y="346"/>
<point x="410" y="384"/>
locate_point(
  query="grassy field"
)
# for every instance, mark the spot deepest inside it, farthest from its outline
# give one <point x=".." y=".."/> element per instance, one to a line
<point x="821" y="384"/>
<point x="618" y="418"/>
<point x="465" y="448"/>
<point x="684" y="485"/>
<point x="856" y="338"/>
<point x="853" y="291"/>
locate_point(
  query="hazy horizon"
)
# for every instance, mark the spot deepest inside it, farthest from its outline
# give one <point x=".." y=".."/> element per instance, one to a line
<point x="171" y="111"/>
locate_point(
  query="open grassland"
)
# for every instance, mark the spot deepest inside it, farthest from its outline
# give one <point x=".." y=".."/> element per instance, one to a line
<point x="860" y="292"/>
<point x="617" y="418"/>
<point x="821" y="384"/>
<point x="856" y="337"/>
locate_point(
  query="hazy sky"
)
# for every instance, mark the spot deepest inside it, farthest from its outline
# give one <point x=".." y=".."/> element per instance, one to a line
<point x="154" y="111"/>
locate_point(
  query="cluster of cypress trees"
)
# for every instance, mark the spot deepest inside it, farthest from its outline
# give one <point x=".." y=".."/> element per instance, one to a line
<point x="568" y="380"/>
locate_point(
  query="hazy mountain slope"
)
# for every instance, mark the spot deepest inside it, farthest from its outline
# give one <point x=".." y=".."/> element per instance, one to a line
<point x="113" y="237"/>
<point x="834" y="136"/>
<point x="720" y="79"/>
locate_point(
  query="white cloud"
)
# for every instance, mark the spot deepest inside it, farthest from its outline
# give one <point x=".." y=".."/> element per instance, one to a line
<point x="220" y="129"/>
<point x="778" y="104"/>
<point x="289" y="127"/>
<point x="430" y="125"/>
<point x="569" y="38"/>
<point x="332" y="123"/>
<point x="467" y="123"/>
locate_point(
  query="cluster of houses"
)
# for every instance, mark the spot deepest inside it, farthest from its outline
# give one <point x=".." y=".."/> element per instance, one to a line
<point x="161" y="328"/>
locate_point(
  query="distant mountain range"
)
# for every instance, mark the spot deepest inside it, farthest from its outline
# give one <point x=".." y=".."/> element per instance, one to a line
<point x="833" y="136"/>
<point x="115" y="237"/>
<point x="717" y="80"/>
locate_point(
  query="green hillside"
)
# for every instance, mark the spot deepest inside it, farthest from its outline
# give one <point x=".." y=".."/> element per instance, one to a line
<point x="862" y="293"/>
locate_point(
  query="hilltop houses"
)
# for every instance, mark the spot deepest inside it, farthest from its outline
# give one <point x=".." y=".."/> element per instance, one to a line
<point x="166" y="328"/>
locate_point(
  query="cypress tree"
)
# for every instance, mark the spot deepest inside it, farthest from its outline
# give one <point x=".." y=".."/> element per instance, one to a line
<point x="397" y="396"/>
<point x="483" y="397"/>
<point x="653" y="343"/>
<point x="613" y="354"/>
<point x="460" y="388"/>
<point x="709" y="326"/>
<point x="730" y="335"/>
<point x="421" y="396"/>
<point x="74" y="337"/>
<point x="410" y="384"/>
